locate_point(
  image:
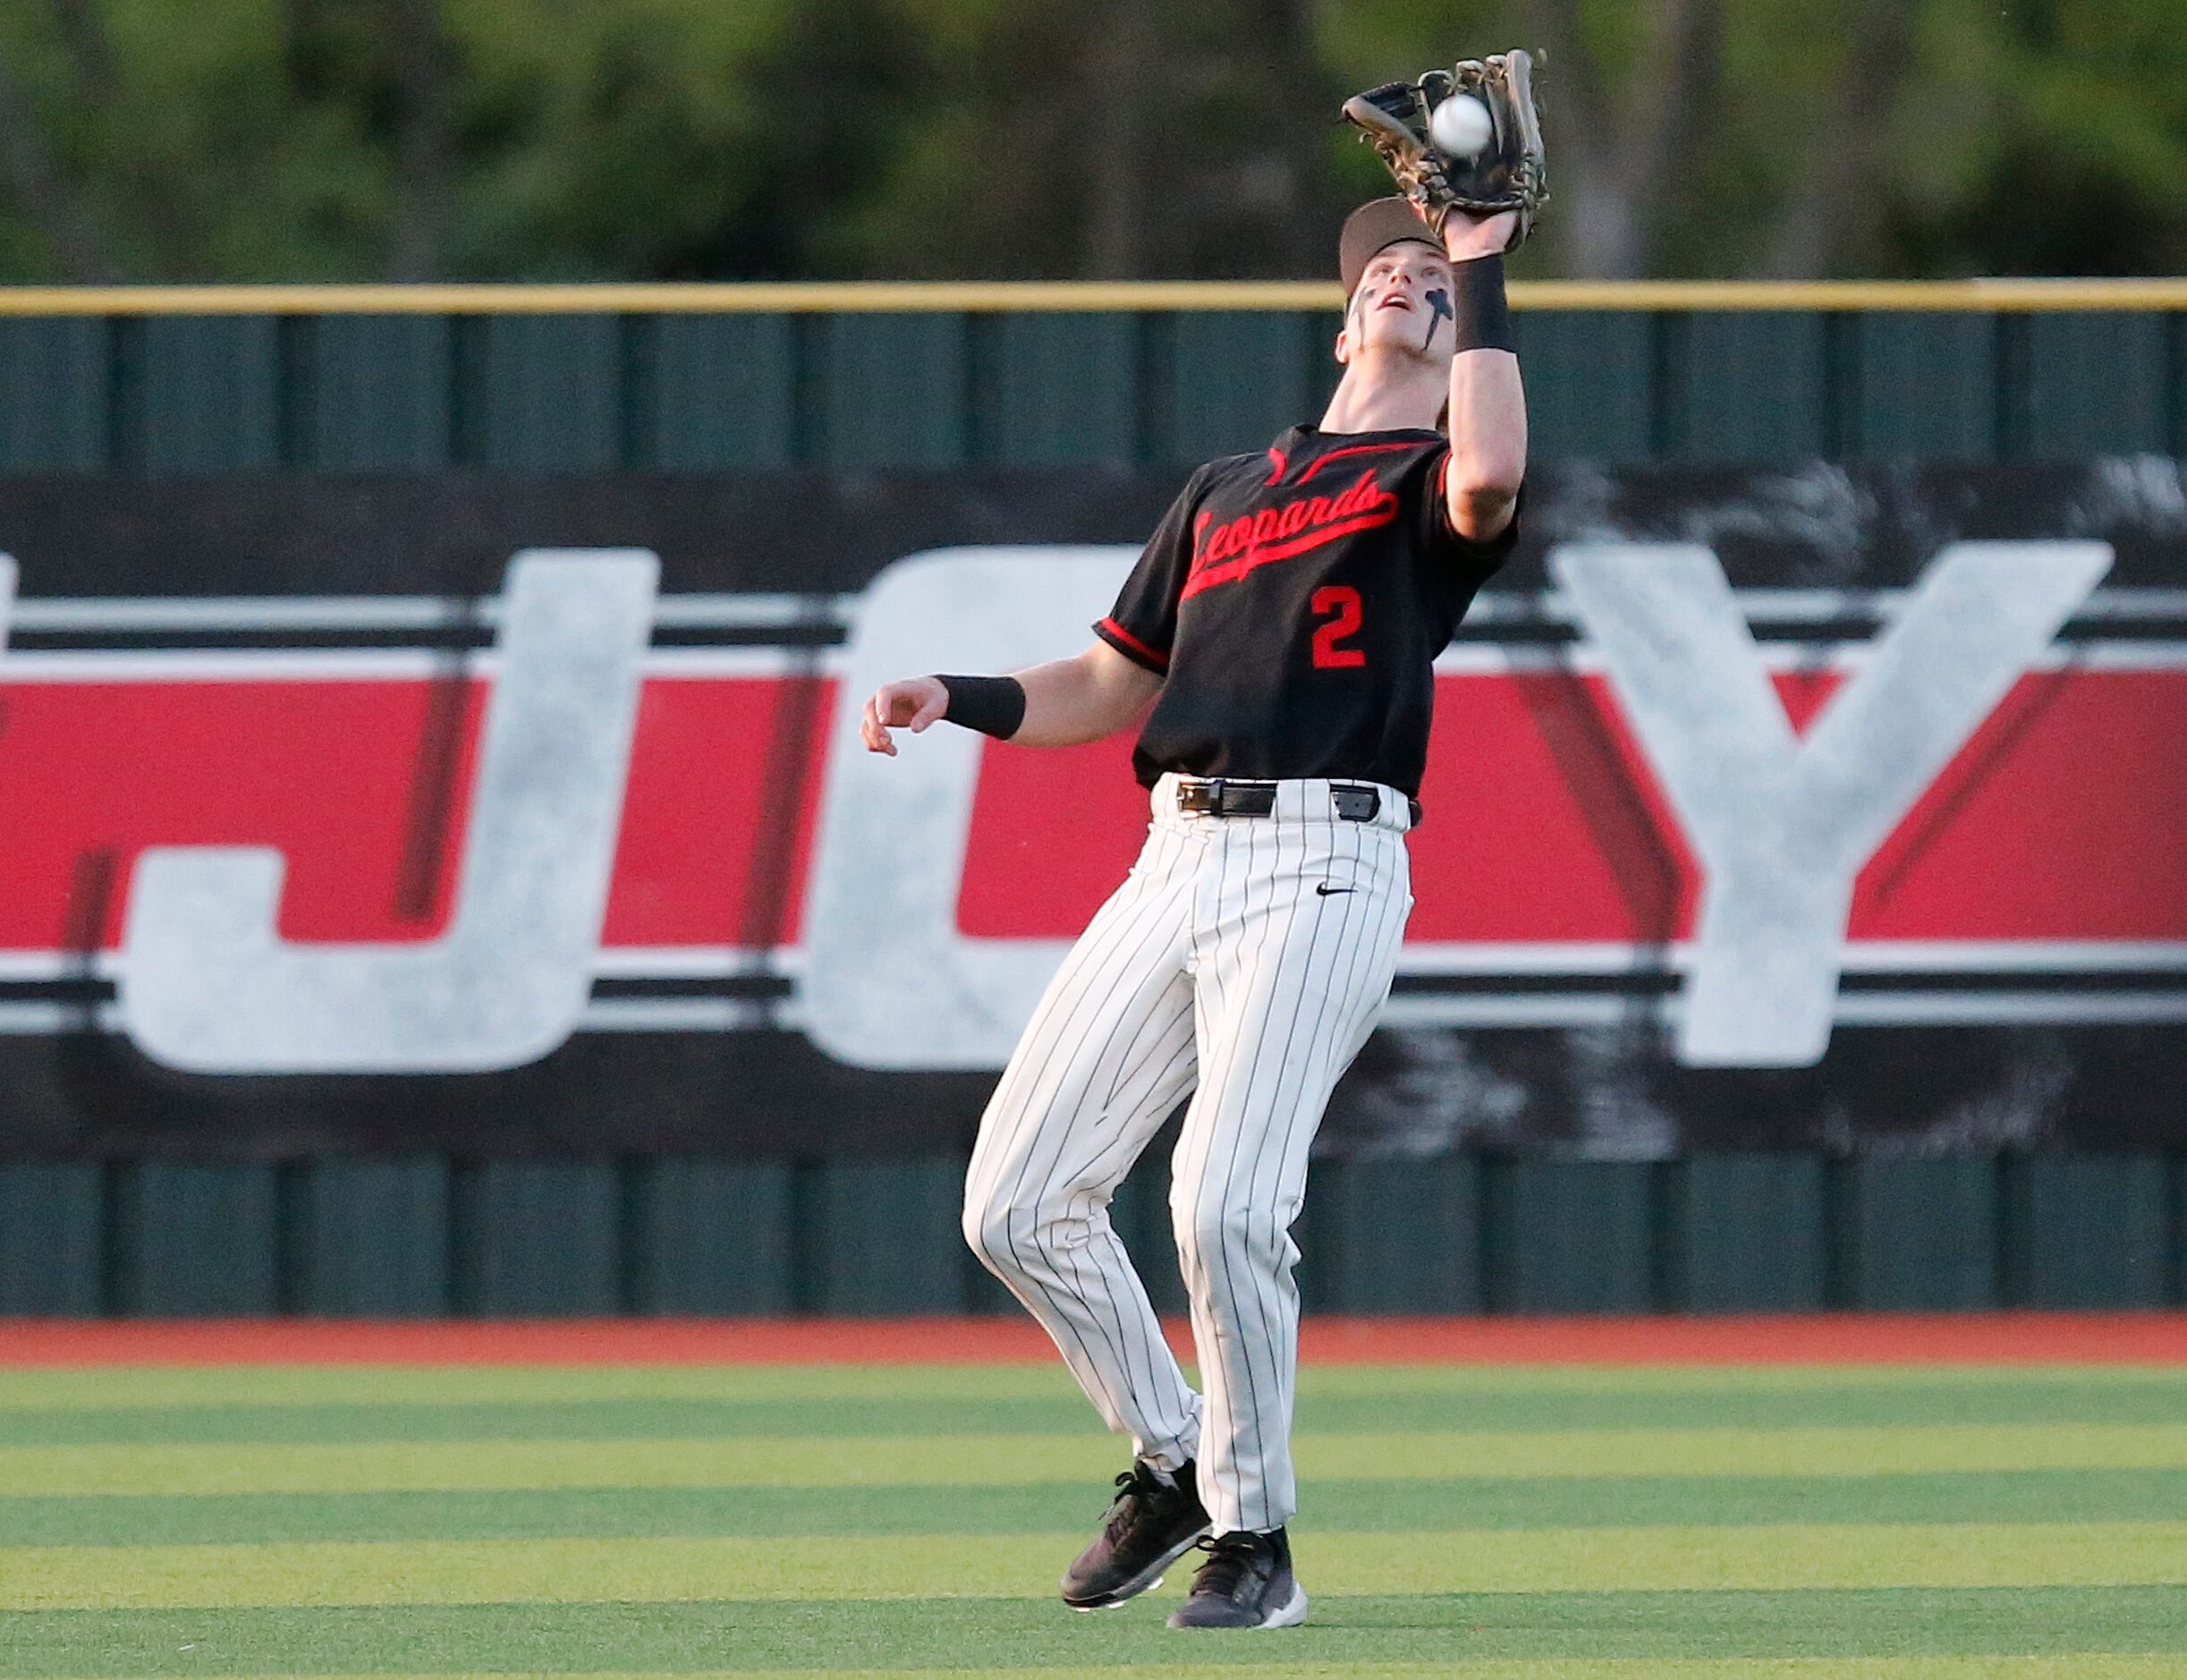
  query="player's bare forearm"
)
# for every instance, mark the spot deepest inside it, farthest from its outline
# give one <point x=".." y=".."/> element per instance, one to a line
<point x="1089" y="697"/>
<point x="1067" y="701"/>
<point x="1487" y="434"/>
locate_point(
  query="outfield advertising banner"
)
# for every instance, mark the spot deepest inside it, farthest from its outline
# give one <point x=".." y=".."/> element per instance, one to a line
<point x="496" y="815"/>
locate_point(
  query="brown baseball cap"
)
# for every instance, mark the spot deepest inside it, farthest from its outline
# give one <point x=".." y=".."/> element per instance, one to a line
<point x="1375" y="226"/>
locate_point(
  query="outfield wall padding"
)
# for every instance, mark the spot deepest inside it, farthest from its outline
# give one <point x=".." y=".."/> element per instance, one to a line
<point x="677" y="1235"/>
<point x="158" y="393"/>
<point x="147" y="392"/>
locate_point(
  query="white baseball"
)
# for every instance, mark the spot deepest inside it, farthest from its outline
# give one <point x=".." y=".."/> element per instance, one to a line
<point x="1460" y="125"/>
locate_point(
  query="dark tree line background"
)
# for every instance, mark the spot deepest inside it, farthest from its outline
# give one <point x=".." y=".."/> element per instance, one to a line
<point x="411" y="140"/>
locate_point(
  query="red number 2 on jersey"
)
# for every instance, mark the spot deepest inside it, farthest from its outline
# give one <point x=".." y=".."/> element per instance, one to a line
<point x="1340" y="604"/>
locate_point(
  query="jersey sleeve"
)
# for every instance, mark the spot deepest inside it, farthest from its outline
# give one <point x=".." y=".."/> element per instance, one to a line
<point x="1143" y="623"/>
<point x="1475" y="562"/>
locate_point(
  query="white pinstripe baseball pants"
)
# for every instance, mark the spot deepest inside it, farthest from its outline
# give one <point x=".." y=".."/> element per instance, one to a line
<point x="1243" y="961"/>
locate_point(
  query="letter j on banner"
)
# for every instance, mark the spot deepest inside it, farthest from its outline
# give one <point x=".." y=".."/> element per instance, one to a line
<point x="207" y="985"/>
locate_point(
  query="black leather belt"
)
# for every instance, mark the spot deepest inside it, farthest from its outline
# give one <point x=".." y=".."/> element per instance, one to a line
<point x="1219" y="797"/>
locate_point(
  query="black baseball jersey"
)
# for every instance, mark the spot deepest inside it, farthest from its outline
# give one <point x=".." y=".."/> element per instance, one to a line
<point x="1294" y="603"/>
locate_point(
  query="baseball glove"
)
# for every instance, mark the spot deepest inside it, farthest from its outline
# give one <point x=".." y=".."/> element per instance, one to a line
<point x="1510" y="173"/>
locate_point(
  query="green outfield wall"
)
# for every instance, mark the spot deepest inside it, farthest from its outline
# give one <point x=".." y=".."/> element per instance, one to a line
<point x="873" y="379"/>
<point x="1459" y="1234"/>
<point x="587" y="379"/>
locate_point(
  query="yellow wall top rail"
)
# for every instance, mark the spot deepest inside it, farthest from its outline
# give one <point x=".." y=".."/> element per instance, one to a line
<point x="1981" y="296"/>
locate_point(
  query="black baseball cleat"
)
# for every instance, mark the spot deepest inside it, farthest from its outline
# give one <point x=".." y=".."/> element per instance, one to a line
<point x="1245" y="1582"/>
<point x="1151" y="1525"/>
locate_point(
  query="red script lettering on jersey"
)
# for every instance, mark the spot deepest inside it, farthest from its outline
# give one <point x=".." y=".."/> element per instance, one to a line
<point x="1232" y="549"/>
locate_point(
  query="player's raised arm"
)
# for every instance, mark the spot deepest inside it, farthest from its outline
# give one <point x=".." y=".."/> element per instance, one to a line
<point x="1059" y="704"/>
<point x="1488" y="401"/>
<point x="1465" y="146"/>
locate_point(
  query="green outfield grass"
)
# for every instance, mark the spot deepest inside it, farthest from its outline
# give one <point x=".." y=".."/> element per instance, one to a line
<point x="1501" y="1523"/>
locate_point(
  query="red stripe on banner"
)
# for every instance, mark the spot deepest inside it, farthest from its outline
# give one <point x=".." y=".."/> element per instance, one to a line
<point x="2003" y="1338"/>
<point x="1052" y="832"/>
<point x="2064" y="818"/>
<point x="365" y="786"/>
<point x="722" y="810"/>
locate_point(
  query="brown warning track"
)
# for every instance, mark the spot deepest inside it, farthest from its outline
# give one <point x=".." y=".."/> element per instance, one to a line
<point x="2156" y="1338"/>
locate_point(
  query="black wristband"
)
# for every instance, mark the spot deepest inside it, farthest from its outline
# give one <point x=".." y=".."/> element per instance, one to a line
<point x="1484" y="318"/>
<point x="992" y="705"/>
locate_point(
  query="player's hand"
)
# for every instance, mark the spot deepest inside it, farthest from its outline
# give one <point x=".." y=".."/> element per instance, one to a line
<point x="1466" y="236"/>
<point x="911" y="704"/>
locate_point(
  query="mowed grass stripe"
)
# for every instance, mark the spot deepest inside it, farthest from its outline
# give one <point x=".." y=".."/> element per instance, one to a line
<point x="1400" y="1504"/>
<point x="2001" y="1401"/>
<point x="1345" y="1633"/>
<point x="573" y="1421"/>
<point x="1000" y="1460"/>
<point x="940" y="1565"/>
<point x="132" y="1387"/>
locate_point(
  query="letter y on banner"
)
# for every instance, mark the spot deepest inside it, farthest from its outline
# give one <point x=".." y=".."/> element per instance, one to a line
<point x="207" y="985"/>
<point x="1783" y="823"/>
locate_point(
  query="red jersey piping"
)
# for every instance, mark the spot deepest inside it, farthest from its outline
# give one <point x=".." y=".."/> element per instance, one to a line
<point x="1130" y="643"/>
<point x="1314" y="466"/>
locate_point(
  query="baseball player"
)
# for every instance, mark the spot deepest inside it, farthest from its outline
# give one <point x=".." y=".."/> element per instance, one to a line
<point x="1277" y="636"/>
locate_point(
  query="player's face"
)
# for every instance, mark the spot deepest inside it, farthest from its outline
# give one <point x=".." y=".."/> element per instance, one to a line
<point x="1402" y="304"/>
